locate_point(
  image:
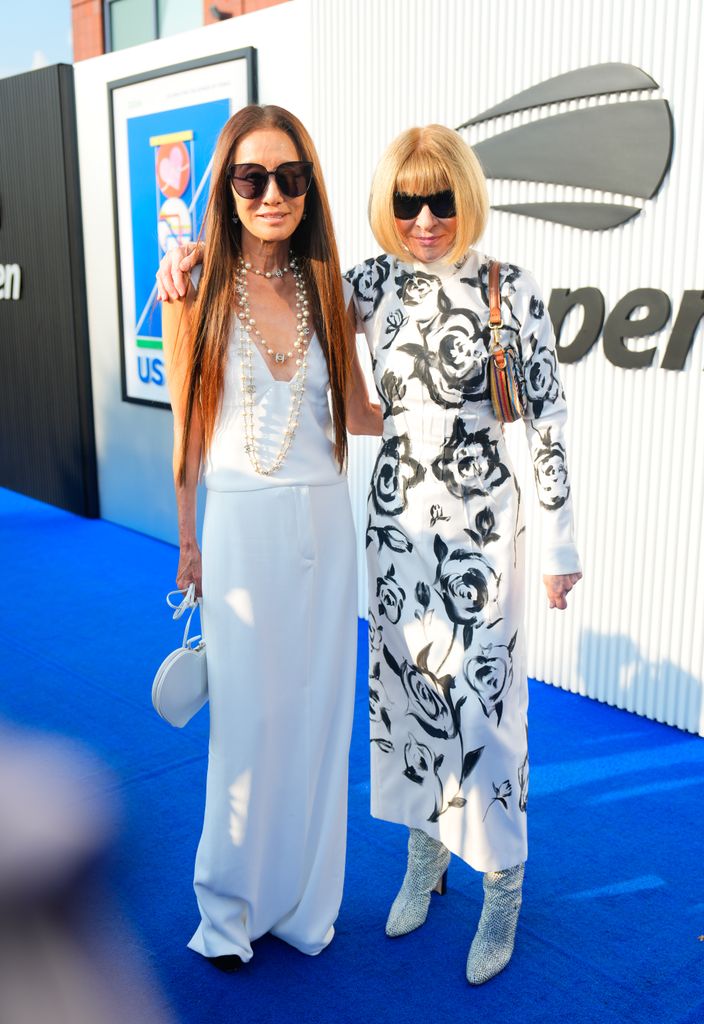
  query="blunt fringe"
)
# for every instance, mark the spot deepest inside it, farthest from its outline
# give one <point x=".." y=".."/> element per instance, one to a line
<point x="421" y="161"/>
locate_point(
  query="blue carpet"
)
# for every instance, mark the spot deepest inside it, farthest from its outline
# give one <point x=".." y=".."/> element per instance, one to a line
<point x="613" y="915"/>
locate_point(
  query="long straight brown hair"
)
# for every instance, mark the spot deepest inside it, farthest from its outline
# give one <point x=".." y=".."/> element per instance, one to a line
<point x="314" y="244"/>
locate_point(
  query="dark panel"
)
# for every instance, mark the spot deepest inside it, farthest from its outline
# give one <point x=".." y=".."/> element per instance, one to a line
<point x="46" y="424"/>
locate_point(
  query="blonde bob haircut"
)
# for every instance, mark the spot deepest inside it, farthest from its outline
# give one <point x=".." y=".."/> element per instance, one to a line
<point x="421" y="161"/>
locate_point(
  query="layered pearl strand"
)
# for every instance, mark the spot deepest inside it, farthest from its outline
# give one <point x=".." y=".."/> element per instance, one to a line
<point x="248" y="326"/>
<point x="279" y="272"/>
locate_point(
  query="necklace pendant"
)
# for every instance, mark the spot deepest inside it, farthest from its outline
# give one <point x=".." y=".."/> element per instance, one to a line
<point x="280" y="357"/>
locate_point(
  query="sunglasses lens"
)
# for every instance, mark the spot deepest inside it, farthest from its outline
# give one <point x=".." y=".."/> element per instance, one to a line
<point x="442" y="205"/>
<point x="294" y="178"/>
<point x="249" y="180"/>
<point x="406" y="207"/>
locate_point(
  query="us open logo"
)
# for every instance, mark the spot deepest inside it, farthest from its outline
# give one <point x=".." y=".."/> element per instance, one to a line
<point x="621" y="148"/>
<point x="10" y="281"/>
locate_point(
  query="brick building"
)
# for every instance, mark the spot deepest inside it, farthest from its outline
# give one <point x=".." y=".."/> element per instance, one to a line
<point x="100" y="26"/>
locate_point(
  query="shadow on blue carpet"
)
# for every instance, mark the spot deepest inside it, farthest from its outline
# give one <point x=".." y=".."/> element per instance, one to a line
<point x="613" y="911"/>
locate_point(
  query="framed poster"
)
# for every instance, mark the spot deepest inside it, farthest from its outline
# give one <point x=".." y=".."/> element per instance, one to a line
<point x="164" y="126"/>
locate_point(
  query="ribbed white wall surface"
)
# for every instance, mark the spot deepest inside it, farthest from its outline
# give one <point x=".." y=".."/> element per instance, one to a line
<point x="633" y="635"/>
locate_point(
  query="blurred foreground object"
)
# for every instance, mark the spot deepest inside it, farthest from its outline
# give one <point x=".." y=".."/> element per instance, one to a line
<point x="64" y="958"/>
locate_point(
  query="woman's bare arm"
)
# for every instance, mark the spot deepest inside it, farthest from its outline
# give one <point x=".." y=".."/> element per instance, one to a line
<point x="176" y="321"/>
<point x="363" y="416"/>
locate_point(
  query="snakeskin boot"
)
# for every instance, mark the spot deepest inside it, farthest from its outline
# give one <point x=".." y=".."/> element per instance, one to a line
<point x="427" y="867"/>
<point x="492" y="946"/>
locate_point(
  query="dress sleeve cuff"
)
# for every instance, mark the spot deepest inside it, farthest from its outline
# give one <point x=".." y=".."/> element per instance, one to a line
<point x="560" y="560"/>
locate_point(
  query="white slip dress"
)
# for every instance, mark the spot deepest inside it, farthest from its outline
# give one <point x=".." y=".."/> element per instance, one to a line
<point x="279" y="617"/>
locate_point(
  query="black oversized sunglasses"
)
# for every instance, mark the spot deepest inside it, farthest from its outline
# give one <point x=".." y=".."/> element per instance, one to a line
<point x="252" y="180"/>
<point x="440" y="204"/>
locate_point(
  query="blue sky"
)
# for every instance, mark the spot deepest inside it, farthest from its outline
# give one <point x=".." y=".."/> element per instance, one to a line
<point x="36" y="33"/>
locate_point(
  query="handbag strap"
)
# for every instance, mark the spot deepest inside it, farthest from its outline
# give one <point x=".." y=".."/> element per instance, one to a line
<point x="494" y="295"/>
<point x="495" y="321"/>
<point x="188" y="604"/>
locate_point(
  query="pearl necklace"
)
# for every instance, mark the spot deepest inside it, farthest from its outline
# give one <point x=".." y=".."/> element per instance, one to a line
<point x="247" y="324"/>
<point x="245" y="313"/>
<point x="279" y="272"/>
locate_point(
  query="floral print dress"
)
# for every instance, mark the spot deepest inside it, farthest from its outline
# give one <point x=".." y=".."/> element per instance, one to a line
<point x="445" y="545"/>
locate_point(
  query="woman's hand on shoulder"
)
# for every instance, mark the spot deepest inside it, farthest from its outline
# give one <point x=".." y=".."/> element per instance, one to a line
<point x="190" y="568"/>
<point x="558" y="587"/>
<point x="172" y="275"/>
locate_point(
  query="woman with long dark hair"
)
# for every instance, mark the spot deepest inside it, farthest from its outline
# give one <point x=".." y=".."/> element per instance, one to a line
<point x="252" y="351"/>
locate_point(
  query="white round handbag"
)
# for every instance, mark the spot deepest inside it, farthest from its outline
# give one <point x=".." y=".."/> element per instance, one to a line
<point x="180" y="686"/>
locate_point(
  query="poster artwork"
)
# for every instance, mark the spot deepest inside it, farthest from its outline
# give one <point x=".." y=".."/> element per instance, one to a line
<point x="163" y="150"/>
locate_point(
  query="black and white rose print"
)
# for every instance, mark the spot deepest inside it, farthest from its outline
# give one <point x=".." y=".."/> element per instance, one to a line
<point x="447" y="682"/>
<point x="437" y="515"/>
<point x="469" y="463"/>
<point x="536" y="307"/>
<point x="422" y="766"/>
<point x="414" y="287"/>
<point x="542" y="381"/>
<point x="391" y="595"/>
<point x="420" y="762"/>
<point x="423" y="595"/>
<point x="389" y="536"/>
<point x="484" y="531"/>
<point x="502" y="795"/>
<point x="392" y="392"/>
<point x="395" y="321"/>
<point x="523" y="776"/>
<point x="395" y="472"/>
<point x="452" y="360"/>
<point x="376" y="632"/>
<point x="468" y="586"/>
<point x="490" y="675"/>
<point x="379" y="718"/>
<point x="368" y="279"/>
<point x="428" y="695"/>
<point x="550" y="467"/>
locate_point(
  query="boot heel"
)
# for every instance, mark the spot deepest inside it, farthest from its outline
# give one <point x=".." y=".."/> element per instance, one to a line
<point x="427" y="859"/>
<point x="441" y="887"/>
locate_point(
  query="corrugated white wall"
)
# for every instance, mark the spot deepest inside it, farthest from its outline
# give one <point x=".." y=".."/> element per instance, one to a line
<point x="634" y="633"/>
<point x="359" y="71"/>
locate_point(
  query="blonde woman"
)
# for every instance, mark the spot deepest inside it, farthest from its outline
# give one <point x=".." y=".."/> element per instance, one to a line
<point x="445" y="535"/>
<point x="252" y="355"/>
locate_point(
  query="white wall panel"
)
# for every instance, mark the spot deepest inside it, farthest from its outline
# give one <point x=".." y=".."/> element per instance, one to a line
<point x="358" y="72"/>
<point x="633" y="635"/>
